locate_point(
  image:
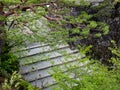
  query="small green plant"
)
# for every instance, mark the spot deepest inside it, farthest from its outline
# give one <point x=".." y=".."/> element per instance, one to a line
<point x="93" y="76"/>
<point x="15" y="82"/>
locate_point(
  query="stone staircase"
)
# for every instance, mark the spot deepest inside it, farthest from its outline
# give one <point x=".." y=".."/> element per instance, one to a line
<point x="37" y="60"/>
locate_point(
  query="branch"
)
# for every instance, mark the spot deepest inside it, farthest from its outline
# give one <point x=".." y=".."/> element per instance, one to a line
<point x="11" y="25"/>
<point x="35" y="5"/>
<point x="42" y="4"/>
<point x="8" y="13"/>
<point x="24" y="8"/>
<point x="53" y="19"/>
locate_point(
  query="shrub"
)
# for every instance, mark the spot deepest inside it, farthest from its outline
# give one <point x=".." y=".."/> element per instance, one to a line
<point x="15" y="82"/>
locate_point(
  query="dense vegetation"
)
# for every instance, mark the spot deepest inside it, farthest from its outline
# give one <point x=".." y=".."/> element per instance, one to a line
<point x="96" y="26"/>
<point x="99" y="38"/>
<point x="93" y="29"/>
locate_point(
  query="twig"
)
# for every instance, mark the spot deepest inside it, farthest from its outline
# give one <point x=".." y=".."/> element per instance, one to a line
<point x="53" y="19"/>
<point x="8" y="13"/>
